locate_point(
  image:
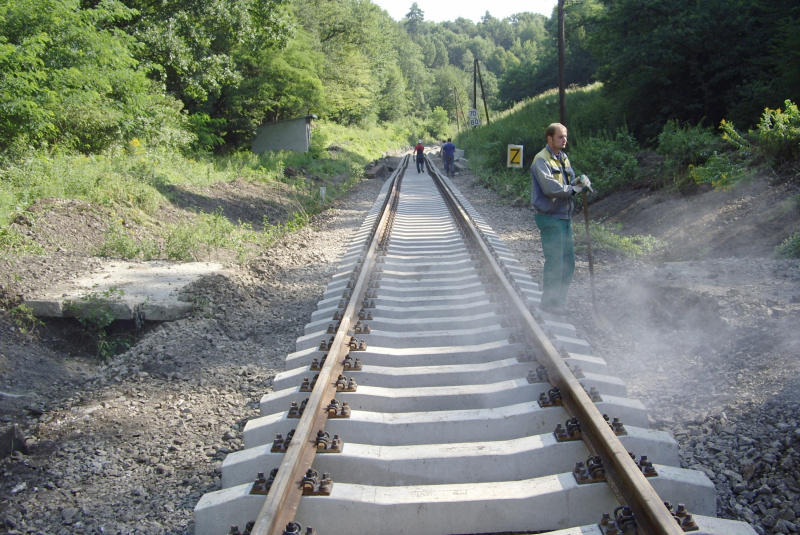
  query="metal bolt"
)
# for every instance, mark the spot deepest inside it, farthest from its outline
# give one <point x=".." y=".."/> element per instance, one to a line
<point x="292" y="528"/>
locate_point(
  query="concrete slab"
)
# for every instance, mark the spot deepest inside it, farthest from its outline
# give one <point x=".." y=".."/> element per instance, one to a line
<point x="143" y="290"/>
<point x="468" y="425"/>
<point x="432" y="464"/>
<point x="554" y="501"/>
<point x="708" y="526"/>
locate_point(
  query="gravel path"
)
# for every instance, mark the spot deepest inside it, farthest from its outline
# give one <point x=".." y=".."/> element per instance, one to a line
<point x="710" y="347"/>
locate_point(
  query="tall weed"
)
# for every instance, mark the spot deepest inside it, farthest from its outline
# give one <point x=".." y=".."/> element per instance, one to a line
<point x="121" y="242"/>
<point x="778" y="133"/>
<point x="777" y="138"/>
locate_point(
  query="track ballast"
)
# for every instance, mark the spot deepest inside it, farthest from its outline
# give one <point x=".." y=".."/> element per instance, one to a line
<point x="431" y="396"/>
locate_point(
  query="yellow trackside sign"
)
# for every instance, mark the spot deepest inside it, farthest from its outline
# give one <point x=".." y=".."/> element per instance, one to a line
<point x="514" y="158"/>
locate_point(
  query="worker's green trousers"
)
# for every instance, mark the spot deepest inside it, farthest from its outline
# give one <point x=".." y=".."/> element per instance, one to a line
<point x="559" y="258"/>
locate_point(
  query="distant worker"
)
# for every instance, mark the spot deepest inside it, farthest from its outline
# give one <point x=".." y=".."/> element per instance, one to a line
<point x="552" y="186"/>
<point x="448" y="153"/>
<point x="418" y="150"/>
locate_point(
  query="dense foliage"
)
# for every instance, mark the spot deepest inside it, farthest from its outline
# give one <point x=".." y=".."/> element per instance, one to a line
<point x="695" y="61"/>
<point x="88" y="74"/>
<point x="71" y="79"/>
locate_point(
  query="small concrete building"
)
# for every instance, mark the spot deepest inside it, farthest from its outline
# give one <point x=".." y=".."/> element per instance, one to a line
<point x="289" y="134"/>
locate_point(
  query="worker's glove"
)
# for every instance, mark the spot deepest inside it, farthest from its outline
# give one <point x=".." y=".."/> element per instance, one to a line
<point x="577" y="189"/>
<point x="585" y="182"/>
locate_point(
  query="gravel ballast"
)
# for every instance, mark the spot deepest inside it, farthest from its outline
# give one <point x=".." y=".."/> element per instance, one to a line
<point x="129" y="446"/>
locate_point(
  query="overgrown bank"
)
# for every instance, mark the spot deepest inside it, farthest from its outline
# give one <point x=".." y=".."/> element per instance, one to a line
<point x="153" y="203"/>
<point x="683" y="158"/>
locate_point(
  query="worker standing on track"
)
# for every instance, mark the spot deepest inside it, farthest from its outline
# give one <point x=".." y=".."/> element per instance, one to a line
<point x="418" y="150"/>
<point x="448" y="153"/>
<point x="553" y="184"/>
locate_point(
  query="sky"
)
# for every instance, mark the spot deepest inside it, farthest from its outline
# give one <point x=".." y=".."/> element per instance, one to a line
<point x="442" y="10"/>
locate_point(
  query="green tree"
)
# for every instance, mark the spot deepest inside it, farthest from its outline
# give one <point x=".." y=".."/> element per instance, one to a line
<point x="192" y="44"/>
<point x="276" y="84"/>
<point x="411" y="63"/>
<point x="70" y="79"/>
<point x="414" y="19"/>
<point x="685" y="60"/>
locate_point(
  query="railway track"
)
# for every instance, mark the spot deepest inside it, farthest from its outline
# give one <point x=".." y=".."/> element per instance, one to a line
<point x="430" y="396"/>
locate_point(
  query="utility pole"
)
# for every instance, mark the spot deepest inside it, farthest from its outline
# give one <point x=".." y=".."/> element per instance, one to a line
<point x="474" y="87"/>
<point x="562" y="90"/>
<point x="483" y="94"/>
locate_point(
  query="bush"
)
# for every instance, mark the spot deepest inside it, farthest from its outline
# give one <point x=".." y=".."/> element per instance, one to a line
<point x="685" y="145"/>
<point x="438" y="124"/>
<point x="609" y="161"/>
<point x="790" y="248"/>
<point x="777" y="137"/>
<point x="718" y="171"/>
<point x="778" y="134"/>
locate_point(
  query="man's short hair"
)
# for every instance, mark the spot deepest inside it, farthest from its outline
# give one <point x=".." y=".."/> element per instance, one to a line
<point x="551" y="130"/>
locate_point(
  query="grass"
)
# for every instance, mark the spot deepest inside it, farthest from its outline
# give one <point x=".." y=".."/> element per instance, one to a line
<point x="137" y="183"/>
<point x="610" y="238"/>
<point x="599" y="144"/>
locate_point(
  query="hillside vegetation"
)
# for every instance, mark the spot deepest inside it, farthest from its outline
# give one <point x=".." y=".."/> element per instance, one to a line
<point x="136" y="107"/>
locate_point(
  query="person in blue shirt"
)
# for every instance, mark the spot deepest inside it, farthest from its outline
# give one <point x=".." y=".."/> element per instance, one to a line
<point x="448" y="152"/>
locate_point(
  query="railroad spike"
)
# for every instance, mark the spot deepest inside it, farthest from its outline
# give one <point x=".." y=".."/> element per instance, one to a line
<point x="296" y="411"/>
<point x="308" y="386"/>
<point x="570" y="432"/>
<point x="593" y="394"/>
<point x="315" y="486"/>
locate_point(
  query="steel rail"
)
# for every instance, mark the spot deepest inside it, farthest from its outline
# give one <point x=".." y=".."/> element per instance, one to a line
<point x="284" y="495"/>
<point x="623" y="474"/>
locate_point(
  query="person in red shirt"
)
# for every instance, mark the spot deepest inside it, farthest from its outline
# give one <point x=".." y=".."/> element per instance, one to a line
<point x="418" y="150"/>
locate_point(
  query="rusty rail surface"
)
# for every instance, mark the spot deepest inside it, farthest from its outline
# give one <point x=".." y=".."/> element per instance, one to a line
<point x="623" y="474"/>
